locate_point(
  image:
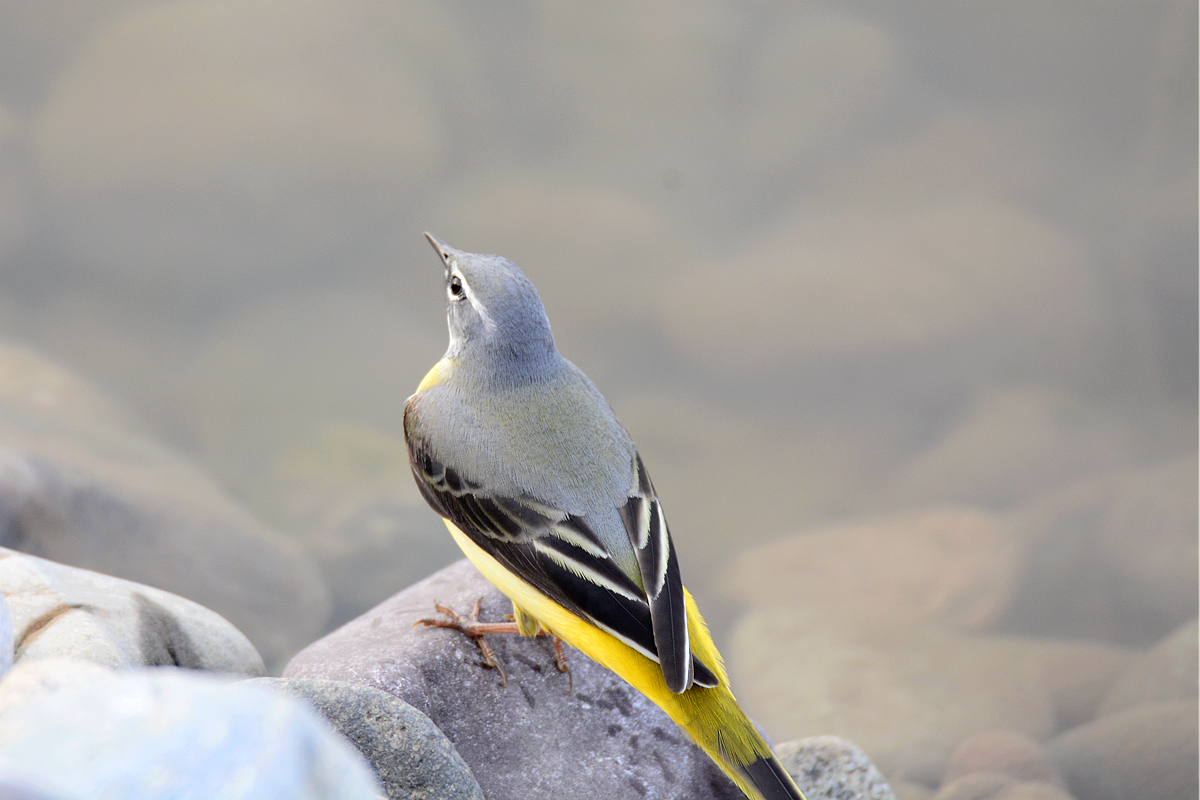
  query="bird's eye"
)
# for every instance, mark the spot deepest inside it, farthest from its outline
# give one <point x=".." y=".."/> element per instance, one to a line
<point x="456" y="286"/>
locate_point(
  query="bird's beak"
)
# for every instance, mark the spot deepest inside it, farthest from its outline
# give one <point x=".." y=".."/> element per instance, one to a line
<point x="445" y="251"/>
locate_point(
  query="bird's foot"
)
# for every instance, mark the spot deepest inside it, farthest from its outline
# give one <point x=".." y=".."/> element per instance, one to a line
<point x="472" y="627"/>
<point x="476" y="630"/>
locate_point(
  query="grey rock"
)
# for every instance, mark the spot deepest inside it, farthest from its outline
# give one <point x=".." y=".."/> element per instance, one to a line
<point x="905" y="694"/>
<point x="6" y="638"/>
<point x="1110" y="557"/>
<point x="999" y="786"/>
<point x="170" y="733"/>
<point x="544" y="734"/>
<point x="1149" y="752"/>
<point x="1168" y="671"/>
<point x="35" y="679"/>
<point x="81" y="485"/>
<point x="1004" y="752"/>
<point x="65" y="611"/>
<point x="412" y="758"/>
<point x="832" y="768"/>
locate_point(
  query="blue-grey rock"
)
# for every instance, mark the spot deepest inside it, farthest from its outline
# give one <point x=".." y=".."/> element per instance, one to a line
<point x="168" y="733"/>
<point x="412" y="758"/>
<point x="832" y="768"/>
<point x="61" y="611"/>
<point x="543" y="734"/>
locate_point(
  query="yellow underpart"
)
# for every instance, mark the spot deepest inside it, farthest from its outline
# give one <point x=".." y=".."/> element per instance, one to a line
<point x="711" y="717"/>
<point x="438" y="375"/>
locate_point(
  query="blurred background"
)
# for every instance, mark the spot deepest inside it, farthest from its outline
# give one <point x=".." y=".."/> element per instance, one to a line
<point x="898" y="300"/>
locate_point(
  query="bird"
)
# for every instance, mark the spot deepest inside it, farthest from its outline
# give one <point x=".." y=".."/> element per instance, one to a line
<point x="546" y="494"/>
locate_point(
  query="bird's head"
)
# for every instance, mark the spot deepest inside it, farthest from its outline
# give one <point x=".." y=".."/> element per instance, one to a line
<point x="496" y="318"/>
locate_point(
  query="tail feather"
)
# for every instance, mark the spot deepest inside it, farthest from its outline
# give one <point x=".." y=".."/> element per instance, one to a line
<point x="771" y="780"/>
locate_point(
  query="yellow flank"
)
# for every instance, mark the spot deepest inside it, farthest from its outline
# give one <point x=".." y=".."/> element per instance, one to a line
<point x="711" y="717"/>
<point x="438" y="375"/>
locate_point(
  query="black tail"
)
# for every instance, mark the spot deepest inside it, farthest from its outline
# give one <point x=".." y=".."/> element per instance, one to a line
<point x="771" y="780"/>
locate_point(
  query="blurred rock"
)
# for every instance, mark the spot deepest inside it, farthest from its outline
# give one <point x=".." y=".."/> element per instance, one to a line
<point x="273" y="377"/>
<point x="129" y="343"/>
<point x="787" y="117"/>
<point x="809" y="469"/>
<point x="38" y="39"/>
<point x="38" y="678"/>
<point x="922" y="300"/>
<point x="829" y="768"/>
<point x="1079" y="675"/>
<point x="12" y="316"/>
<point x="32" y="386"/>
<point x="633" y="100"/>
<point x="230" y="142"/>
<point x="16" y="219"/>
<point x="80" y="488"/>
<point x="1149" y="752"/>
<point x="146" y="734"/>
<point x="999" y="751"/>
<point x="906" y="695"/>
<point x="368" y="551"/>
<point x="60" y="611"/>
<point x="1110" y="557"/>
<point x="6" y="638"/>
<point x="907" y="790"/>
<point x="1094" y="62"/>
<point x="597" y="256"/>
<point x="585" y="735"/>
<point x="957" y="152"/>
<point x="952" y="569"/>
<point x="349" y="491"/>
<point x="1167" y="672"/>
<point x="412" y="758"/>
<point x="1009" y="446"/>
<point x="998" y="786"/>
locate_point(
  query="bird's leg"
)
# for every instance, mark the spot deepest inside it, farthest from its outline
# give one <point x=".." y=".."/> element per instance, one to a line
<point x="560" y="661"/>
<point x="475" y="629"/>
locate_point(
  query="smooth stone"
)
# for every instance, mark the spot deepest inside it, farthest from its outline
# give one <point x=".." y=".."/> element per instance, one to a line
<point x="16" y="199"/>
<point x="1110" y="557"/>
<point x="1149" y="752"/>
<point x="1001" y="751"/>
<point x="831" y="768"/>
<point x="170" y="733"/>
<point x="691" y="445"/>
<point x="80" y="484"/>
<point x="1168" y="671"/>
<point x="543" y="734"/>
<point x="271" y="380"/>
<point x="66" y="611"/>
<point x="905" y="695"/>
<point x="951" y="568"/>
<point x="999" y="786"/>
<point x="202" y="197"/>
<point x="1079" y="675"/>
<point x="1007" y="447"/>
<point x="348" y="492"/>
<point x="412" y="758"/>
<point x="971" y="283"/>
<point x="7" y="637"/>
<point x="788" y="122"/>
